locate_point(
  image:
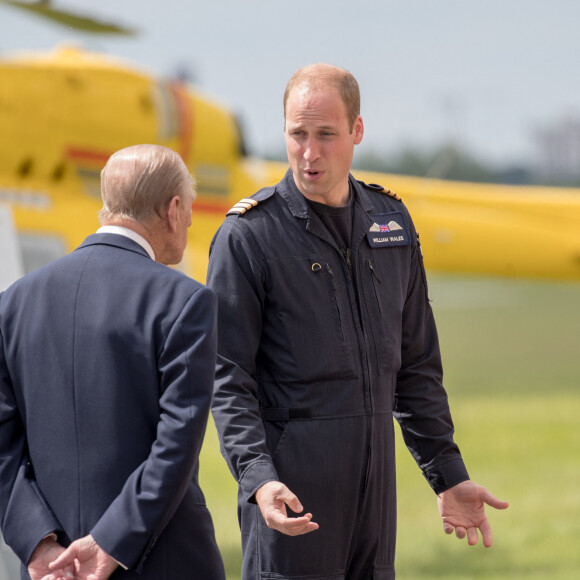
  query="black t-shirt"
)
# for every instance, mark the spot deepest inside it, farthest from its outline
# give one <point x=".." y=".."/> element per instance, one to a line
<point x="338" y="220"/>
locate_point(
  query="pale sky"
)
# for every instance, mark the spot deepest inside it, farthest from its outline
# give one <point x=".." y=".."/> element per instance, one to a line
<point x="485" y="74"/>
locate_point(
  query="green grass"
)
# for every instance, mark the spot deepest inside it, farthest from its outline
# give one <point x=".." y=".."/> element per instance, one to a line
<point x="511" y="352"/>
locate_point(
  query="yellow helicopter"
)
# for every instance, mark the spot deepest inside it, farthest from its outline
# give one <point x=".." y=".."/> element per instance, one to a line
<point x="63" y="112"/>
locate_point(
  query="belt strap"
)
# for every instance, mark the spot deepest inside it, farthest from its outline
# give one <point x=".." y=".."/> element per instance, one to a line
<point x="281" y="414"/>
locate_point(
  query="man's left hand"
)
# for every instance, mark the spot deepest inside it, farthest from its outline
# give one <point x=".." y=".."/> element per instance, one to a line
<point x="46" y="552"/>
<point x="462" y="509"/>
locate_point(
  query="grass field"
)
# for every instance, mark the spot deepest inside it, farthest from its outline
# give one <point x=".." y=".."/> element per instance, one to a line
<point x="512" y="370"/>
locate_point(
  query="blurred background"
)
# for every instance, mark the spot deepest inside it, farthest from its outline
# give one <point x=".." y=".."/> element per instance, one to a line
<point x="484" y="94"/>
<point x="495" y="82"/>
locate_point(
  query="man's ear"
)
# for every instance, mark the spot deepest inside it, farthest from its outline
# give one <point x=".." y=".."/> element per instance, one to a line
<point x="173" y="212"/>
<point x="358" y="130"/>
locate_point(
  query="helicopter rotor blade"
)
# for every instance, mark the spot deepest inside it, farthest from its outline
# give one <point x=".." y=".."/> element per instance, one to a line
<point x="70" y="19"/>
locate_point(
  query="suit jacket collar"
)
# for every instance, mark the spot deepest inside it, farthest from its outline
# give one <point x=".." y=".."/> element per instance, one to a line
<point x="114" y="240"/>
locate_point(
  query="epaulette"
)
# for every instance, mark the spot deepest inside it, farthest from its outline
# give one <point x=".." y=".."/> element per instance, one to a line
<point x="381" y="189"/>
<point x="248" y="203"/>
<point x="242" y="206"/>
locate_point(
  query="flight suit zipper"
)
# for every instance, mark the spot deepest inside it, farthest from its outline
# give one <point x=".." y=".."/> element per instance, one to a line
<point x="376" y="280"/>
<point x="346" y="255"/>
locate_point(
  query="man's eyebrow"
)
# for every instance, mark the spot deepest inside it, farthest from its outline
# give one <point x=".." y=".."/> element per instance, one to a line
<point x="301" y="124"/>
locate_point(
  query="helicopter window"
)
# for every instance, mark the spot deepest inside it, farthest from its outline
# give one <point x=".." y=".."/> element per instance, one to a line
<point x="74" y="81"/>
<point x="58" y="172"/>
<point x="25" y="168"/>
<point x="146" y="104"/>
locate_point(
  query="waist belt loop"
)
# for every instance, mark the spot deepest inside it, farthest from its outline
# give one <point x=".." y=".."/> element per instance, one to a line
<point x="281" y="414"/>
<point x="300" y="413"/>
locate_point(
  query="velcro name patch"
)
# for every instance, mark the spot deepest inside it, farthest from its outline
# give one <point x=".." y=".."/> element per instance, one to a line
<point x="388" y="229"/>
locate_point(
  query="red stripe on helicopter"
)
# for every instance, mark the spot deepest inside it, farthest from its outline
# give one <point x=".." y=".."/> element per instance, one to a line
<point x="85" y="156"/>
<point x="204" y="206"/>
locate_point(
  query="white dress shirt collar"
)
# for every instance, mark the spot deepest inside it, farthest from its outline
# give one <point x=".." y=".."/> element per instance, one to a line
<point x="122" y="231"/>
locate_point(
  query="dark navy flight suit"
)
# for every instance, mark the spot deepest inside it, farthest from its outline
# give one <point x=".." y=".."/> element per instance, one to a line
<point x="318" y="349"/>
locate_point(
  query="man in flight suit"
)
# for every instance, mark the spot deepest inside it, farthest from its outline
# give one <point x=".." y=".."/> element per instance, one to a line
<point x="107" y="361"/>
<point x="325" y="332"/>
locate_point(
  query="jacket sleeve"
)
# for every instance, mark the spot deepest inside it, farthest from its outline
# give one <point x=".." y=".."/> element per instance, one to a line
<point x="238" y="278"/>
<point x="421" y="405"/>
<point x="129" y="528"/>
<point x="25" y="516"/>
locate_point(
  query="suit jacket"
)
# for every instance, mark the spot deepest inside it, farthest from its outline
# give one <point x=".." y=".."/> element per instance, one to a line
<point x="106" y="370"/>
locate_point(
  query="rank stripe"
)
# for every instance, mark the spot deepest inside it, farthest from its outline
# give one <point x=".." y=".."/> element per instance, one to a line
<point x="391" y="194"/>
<point x="243" y="206"/>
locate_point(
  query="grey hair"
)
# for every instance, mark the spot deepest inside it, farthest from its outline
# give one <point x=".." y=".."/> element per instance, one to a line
<point x="138" y="182"/>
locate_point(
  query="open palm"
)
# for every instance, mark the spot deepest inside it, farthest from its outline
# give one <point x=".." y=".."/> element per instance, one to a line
<point x="462" y="510"/>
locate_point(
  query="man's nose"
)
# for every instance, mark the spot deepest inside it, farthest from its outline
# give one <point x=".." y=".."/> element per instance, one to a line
<point x="311" y="150"/>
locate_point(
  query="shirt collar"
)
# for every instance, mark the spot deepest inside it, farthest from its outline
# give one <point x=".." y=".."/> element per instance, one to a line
<point x="128" y="233"/>
<point x="298" y="204"/>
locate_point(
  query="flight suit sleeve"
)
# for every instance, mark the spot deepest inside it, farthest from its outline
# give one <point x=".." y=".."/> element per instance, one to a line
<point x="421" y="406"/>
<point x="237" y="276"/>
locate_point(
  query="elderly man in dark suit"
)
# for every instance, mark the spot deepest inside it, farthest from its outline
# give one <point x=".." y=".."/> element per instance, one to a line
<point x="107" y="361"/>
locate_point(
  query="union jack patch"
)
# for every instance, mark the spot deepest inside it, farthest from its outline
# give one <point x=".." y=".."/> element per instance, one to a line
<point x="388" y="227"/>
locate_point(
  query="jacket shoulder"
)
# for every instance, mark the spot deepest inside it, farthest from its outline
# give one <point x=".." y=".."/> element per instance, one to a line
<point x="248" y="203"/>
<point x="380" y="189"/>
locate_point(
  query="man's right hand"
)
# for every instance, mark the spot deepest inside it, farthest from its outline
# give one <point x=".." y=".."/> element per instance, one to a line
<point x="90" y="560"/>
<point x="272" y="498"/>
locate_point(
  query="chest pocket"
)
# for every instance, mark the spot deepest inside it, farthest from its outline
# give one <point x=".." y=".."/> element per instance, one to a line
<point x="384" y="272"/>
<point x="307" y="321"/>
<point x="384" y="290"/>
<point x="379" y="321"/>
